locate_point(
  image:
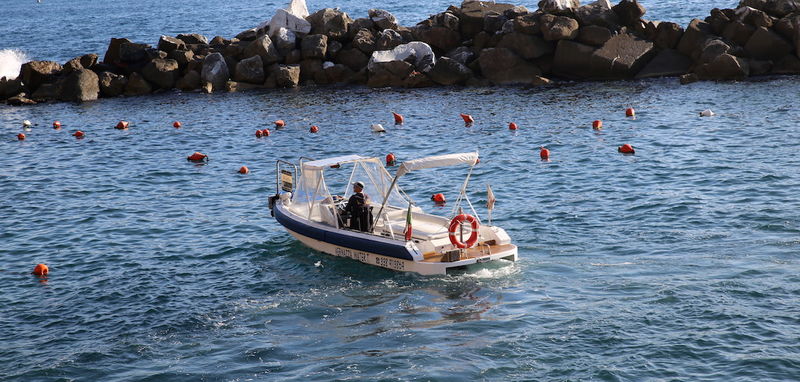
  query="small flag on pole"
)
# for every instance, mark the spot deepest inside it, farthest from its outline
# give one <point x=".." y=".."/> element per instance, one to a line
<point x="489" y="197"/>
<point x="408" y="231"/>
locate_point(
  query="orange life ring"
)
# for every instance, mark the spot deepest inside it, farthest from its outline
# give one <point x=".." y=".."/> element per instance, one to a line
<point x="455" y="224"/>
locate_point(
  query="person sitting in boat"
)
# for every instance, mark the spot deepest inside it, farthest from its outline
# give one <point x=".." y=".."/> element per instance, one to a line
<point x="358" y="208"/>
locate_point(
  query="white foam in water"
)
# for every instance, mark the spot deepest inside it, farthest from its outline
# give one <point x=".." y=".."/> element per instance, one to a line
<point x="10" y="62"/>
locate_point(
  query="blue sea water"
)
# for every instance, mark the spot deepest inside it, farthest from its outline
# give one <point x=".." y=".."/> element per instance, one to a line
<point x="678" y="263"/>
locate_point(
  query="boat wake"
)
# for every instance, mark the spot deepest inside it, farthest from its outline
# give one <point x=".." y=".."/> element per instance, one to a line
<point x="11" y="61"/>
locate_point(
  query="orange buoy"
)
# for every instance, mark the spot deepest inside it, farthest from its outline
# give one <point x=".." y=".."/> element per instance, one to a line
<point x="544" y="153"/>
<point x="512" y="126"/>
<point x="438" y="198"/>
<point x="197" y="157"/>
<point x="40" y="270"/>
<point x="467" y="118"/>
<point x="176" y="124"/>
<point x="597" y="125"/>
<point x="56" y="125"/>
<point x="121" y="125"/>
<point x="21" y="136"/>
<point x="314" y="129"/>
<point x="626" y="149"/>
<point x="259" y="134"/>
<point x="279" y="124"/>
<point x="629" y="112"/>
<point x="78" y="134"/>
<point x="398" y="119"/>
<point x="390" y="159"/>
<point x="265" y="133"/>
<point x="244" y="170"/>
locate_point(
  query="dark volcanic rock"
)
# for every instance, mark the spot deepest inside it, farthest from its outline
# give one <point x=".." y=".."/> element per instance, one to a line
<point x="738" y="32"/>
<point x="215" y="71"/>
<point x="694" y="38"/>
<point x="137" y="85"/>
<point x="80" y="86"/>
<point x="573" y="60"/>
<point x="622" y="56"/>
<point x="789" y="64"/>
<point x="263" y="47"/>
<point x="388" y="39"/>
<point x="183" y="57"/>
<point x="314" y="46"/>
<point x="46" y="92"/>
<point x="250" y="70"/>
<point x="10" y="88"/>
<point x="724" y="67"/>
<point x="668" y="63"/>
<point x="162" y="72"/>
<point x="594" y="35"/>
<point x="391" y="73"/>
<point x="112" y="53"/>
<point x="449" y="72"/>
<point x="287" y="76"/>
<point x="501" y="66"/>
<point x="168" y="44"/>
<point x="309" y="68"/>
<point x="461" y="54"/>
<point x="472" y="15"/>
<point x="88" y="60"/>
<point x="364" y="40"/>
<point x="767" y="45"/>
<point x="528" y="24"/>
<point x="20" y="100"/>
<point x="193" y="38"/>
<point x="353" y="59"/>
<point x="35" y="73"/>
<point x="382" y="19"/>
<point x="437" y="37"/>
<point x="330" y="22"/>
<point x="629" y="11"/>
<point x="668" y="35"/>
<point x="713" y="49"/>
<point x="558" y="28"/>
<point x="112" y="85"/>
<point x="190" y="81"/>
<point x="133" y="52"/>
<point x="597" y="14"/>
<point x="525" y="45"/>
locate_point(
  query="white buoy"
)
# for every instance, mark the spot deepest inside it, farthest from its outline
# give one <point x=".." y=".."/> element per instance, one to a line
<point x="707" y="113"/>
<point x="26" y="123"/>
<point x="378" y="128"/>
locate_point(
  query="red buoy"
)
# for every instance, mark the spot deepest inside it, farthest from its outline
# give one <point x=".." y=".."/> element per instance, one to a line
<point x="629" y="112"/>
<point x="244" y="170"/>
<point x="265" y="132"/>
<point x="544" y="153"/>
<point x="390" y="159"/>
<point x="467" y="118"/>
<point x="176" y="124"/>
<point x="597" y="125"/>
<point x="438" y="198"/>
<point x="78" y="134"/>
<point x="259" y="134"/>
<point x="121" y="125"/>
<point x="40" y="270"/>
<point x="56" y="125"/>
<point x="197" y="157"/>
<point x="626" y="149"/>
<point x="398" y="119"/>
<point x="314" y="129"/>
<point x="21" y="136"/>
<point x="512" y="126"/>
<point x="279" y="124"/>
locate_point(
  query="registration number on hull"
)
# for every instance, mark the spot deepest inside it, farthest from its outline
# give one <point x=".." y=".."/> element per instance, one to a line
<point x="364" y="257"/>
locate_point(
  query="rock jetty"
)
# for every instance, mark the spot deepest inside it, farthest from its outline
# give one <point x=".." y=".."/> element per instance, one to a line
<point x="477" y="44"/>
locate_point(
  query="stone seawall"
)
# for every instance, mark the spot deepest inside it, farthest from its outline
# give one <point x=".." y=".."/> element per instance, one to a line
<point x="476" y="44"/>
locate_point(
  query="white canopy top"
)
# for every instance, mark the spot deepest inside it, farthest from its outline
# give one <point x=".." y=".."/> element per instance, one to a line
<point x="323" y="163"/>
<point x="438" y="161"/>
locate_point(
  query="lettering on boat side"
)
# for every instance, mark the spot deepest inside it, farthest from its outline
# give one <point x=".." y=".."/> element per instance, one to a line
<point x="483" y="259"/>
<point x="390" y="263"/>
<point x="355" y="255"/>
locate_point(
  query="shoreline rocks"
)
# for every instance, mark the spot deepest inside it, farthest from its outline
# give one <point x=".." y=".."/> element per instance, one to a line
<point x="476" y="44"/>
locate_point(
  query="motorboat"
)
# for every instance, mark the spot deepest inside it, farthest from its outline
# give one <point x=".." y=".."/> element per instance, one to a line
<point x="389" y="229"/>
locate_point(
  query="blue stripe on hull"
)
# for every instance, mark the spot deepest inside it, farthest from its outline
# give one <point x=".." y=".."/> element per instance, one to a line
<point x="347" y="239"/>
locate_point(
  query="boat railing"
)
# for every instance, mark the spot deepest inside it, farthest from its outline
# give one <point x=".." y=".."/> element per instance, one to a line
<point x="284" y="180"/>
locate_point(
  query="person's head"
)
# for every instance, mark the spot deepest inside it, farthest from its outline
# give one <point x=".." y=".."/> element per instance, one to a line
<point x="358" y="186"/>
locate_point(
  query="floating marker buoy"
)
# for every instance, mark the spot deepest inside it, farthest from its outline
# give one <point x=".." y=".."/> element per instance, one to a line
<point x="56" y="125"/>
<point x="707" y="113"/>
<point x="390" y="159"/>
<point x="597" y="125"/>
<point x="259" y="134"/>
<point x="26" y="124"/>
<point x="78" y="134"/>
<point x="438" y="198"/>
<point x="21" y="136"/>
<point x="314" y="129"/>
<point x="279" y="124"/>
<point x="544" y="153"/>
<point x="40" y="270"/>
<point x="197" y="157"/>
<point x="377" y="128"/>
<point x="121" y="125"/>
<point x="512" y="126"/>
<point x="398" y="119"/>
<point x="626" y="149"/>
<point x="265" y="133"/>
<point x="629" y="112"/>
<point x="244" y="170"/>
<point x="467" y="118"/>
<point x="176" y="124"/>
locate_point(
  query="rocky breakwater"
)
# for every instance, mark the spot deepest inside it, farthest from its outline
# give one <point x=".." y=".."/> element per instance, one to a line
<point x="478" y="43"/>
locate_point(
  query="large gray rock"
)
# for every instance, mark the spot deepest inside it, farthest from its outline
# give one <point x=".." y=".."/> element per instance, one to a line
<point x="668" y="63"/>
<point x="287" y="76"/>
<point x="130" y="52"/>
<point x="137" y="85"/>
<point x="392" y="73"/>
<point x="309" y="68"/>
<point x="526" y="46"/>
<point x="71" y="66"/>
<point x="629" y="11"/>
<point x="438" y="37"/>
<point x="112" y="85"/>
<point x="556" y="28"/>
<point x="754" y="17"/>
<point x="182" y="57"/>
<point x="330" y="22"/>
<point x="89" y="60"/>
<point x="190" y="81"/>
<point x="353" y="59"/>
<point x="192" y="38"/>
<point x="594" y="35"/>
<point x="462" y="54"/>
<point x="668" y="35"/>
<point x="559" y="6"/>
<point x="622" y="56"/>
<point x="573" y="60"/>
<point x="781" y="8"/>
<point x="10" y="88"/>
<point x="314" y="46"/>
<point x="713" y="49"/>
<point x="250" y="70"/>
<point x="738" y="32"/>
<point x="332" y="74"/>
<point x="364" y="41"/>
<point x="215" y="71"/>
<point x="80" y="86"/>
<point x="449" y="72"/>
<point x="597" y="14"/>
<point x="162" y="72"/>
<point x="696" y="35"/>
<point x="285" y="40"/>
<point x="46" y="92"/>
<point x="168" y="44"/>
<point x="528" y="24"/>
<point x="473" y="13"/>
<point x="112" y="53"/>
<point x="35" y="73"/>
<point x="789" y="64"/>
<point x="383" y="19"/>
<point x="388" y="39"/>
<point x="263" y="47"/>
<point x="494" y="23"/>
<point x="767" y="45"/>
<point x="501" y="66"/>
<point x="724" y="67"/>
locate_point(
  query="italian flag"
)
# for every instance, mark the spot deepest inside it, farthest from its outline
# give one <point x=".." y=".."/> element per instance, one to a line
<point x="408" y="231"/>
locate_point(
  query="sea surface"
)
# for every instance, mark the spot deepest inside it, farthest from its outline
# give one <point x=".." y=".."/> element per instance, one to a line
<point x="678" y="263"/>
